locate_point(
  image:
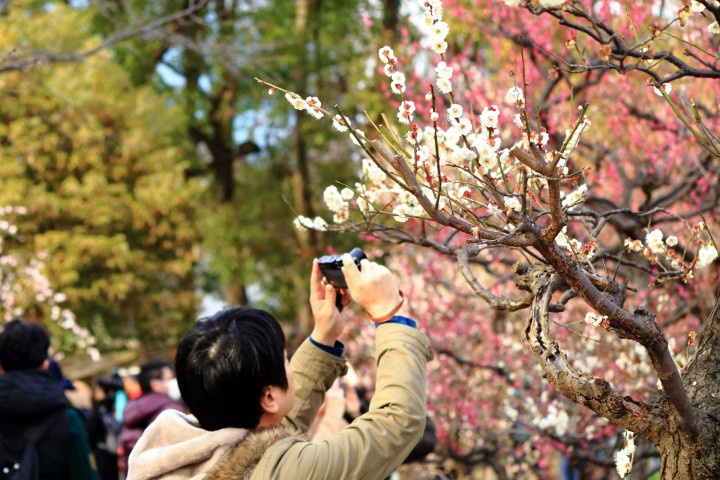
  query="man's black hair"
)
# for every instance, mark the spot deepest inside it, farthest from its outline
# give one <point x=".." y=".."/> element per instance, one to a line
<point x="23" y="345"/>
<point x="224" y="364"/>
<point x="151" y="370"/>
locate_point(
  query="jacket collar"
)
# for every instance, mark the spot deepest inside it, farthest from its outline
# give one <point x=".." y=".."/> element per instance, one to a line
<point x="240" y="461"/>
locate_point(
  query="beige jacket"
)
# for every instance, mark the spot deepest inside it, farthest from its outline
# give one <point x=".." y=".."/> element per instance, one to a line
<point x="375" y="444"/>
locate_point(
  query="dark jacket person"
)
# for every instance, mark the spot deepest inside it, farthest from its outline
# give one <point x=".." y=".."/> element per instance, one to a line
<point x="30" y="398"/>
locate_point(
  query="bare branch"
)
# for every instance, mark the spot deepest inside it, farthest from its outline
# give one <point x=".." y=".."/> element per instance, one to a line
<point x="497" y="303"/>
<point x="14" y="63"/>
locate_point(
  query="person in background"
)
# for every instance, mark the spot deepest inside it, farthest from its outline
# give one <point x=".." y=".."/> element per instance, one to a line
<point x="251" y="407"/>
<point x="154" y="379"/>
<point x="104" y="428"/>
<point x="32" y="400"/>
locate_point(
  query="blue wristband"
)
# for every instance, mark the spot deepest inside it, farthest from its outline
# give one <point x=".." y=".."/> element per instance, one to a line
<point x="336" y="349"/>
<point x="401" y="320"/>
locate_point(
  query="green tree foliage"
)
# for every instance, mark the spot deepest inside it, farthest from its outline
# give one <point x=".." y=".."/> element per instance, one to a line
<point x="98" y="162"/>
<point x="207" y="64"/>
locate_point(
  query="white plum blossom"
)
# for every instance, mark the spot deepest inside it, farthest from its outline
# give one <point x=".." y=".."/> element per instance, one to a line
<point x="333" y="199"/>
<point x="623" y="463"/>
<point x="517" y="120"/>
<point x="435" y="9"/>
<point x="347" y="194"/>
<point x="405" y="111"/>
<point x="594" y="319"/>
<point x="313" y="107"/>
<point x="434" y="116"/>
<point x="439" y="30"/>
<point x="514" y="95"/>
<point x="465" y="126"/>
<point x="303" y="223"/>
<point x="296" y="101"/>
<point x="544" y="138"/>
<point x="514" y="3"/>
<point x="706" y="255"/>
<point x="624" y="458"/>
<point x="397" y="83"/>
<point x="487" y="157"/>
<point x="439" y="47"/>
<point x="696" y="7"/>
<point x="575" y="197"/>
<point x="489" y="116"/>
<point x="428" y="19"/>
<point x="654" y="241"/>
<point x="633" y="245"/>
<point x="444" y="85"/>
<point x="629" y="438"/>
<point x="373" y="172"/>
<point x="493" y="210"/>
<point x="360" y="134"/>
<point x="671" y="241"/>
<point x="386" y="55"/>
<point x="455" y="111"/>
<point x="340" y="123"/>
<point x="443" y="71"/>
<point x="512" y="203"/>
<point x="402" y="212"/>
<point x="444" y="74"/>
<point x="319" y="224"/>
<point x="714" y="28"/>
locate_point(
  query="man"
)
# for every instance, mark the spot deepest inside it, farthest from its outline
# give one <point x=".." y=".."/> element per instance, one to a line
<point x="154" y="379"/>
<point x="251" y="408"/>
<point x="33" y="404"/>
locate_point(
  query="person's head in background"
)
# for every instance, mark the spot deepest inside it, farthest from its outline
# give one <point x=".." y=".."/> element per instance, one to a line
<point x="23" y="346"/>
<point x="232" y="370"/>
<point x="154" y="376"/>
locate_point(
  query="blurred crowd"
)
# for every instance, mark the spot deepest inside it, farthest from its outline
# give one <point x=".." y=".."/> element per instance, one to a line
<point x="119" y="408"/>
<point x="87" y="429"/>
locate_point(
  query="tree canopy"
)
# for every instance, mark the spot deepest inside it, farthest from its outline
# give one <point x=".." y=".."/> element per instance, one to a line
<point x="98" y="165"/>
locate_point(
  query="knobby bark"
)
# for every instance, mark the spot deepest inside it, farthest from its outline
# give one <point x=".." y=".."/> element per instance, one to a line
<point x="682" y="456"/>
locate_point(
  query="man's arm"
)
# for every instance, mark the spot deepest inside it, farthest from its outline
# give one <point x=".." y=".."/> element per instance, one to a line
<point x="319" y="360"/>
<point x="314" y="371"/>
<point x="377" y="442"/>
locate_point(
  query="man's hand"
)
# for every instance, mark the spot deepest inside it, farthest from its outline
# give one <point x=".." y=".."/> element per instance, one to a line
<point x="328" y="323"/>
<point x="373" y="286"/>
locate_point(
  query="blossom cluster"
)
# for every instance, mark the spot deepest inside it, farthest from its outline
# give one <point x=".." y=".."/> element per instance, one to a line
<point x="661" y="251"/>
<point x="624" y="457"/>
<point x="459" y="159"/>
<point x="459" y="154"/>
<point x="438" y="28"/>
<point x="24" y="285"/>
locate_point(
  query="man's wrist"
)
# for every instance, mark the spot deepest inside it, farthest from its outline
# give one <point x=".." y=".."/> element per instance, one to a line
<point x="386" y="311"/>
<point x="336" y="347"/>
<point x="323" y="338"/>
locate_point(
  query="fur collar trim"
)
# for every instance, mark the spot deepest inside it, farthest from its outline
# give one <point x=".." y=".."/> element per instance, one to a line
<point x="240" y="461"/>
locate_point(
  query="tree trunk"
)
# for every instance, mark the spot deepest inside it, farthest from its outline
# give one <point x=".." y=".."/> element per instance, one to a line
<point x="309" y="239"/>
<point x="681" y="456"/>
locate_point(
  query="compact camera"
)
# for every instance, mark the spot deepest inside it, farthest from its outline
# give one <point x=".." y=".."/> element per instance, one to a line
<point x="330" y="266"/>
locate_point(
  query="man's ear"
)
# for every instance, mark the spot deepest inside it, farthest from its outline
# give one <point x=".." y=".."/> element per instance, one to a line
<point x="268" y="402"/>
